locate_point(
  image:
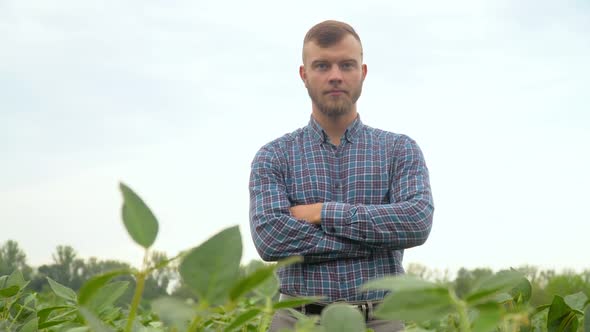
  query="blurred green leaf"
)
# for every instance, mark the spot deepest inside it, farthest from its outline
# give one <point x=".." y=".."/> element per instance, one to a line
<point x="62" y="291"/>
<point x="248" y="283"/>
<point x="269" y="288"/>
<point x="90" y="287"/>
<point x="576" y="301"/>
<point x="44" y="313"/>
<point x="242" y="319"/>
<point x="30" y="326"/>
<point x="488" y="317"/>
<point x="139" y="220"/>
<point x="173" y="312"/>
<point x="561" y="318"/>
<point x="295" y="302"/>
<point x="211" y="268"/>
<point x="51" y="323"/>
<point x="9" y="291"/>
<point x="416" y="304"/>
<point x="401" y="283"/>
<point x="489" y="287"/>
<point x="79" y="329"/>
<point x="522" y="290"/>
<point x="107" y="295"/>
<point x="587" y="319"/>
<point x="503" y="298"/>
<point x="95" y="324"/>
<point x="16" y="279"/>
<point x="340" y="317"/>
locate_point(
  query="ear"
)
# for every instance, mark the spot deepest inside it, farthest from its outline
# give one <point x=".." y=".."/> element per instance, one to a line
<point x="364" y="69"/>
<point x="302" y="74"/>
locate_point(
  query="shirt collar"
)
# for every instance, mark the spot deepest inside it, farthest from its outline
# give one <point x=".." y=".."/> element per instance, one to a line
<point x="351" y="133"/>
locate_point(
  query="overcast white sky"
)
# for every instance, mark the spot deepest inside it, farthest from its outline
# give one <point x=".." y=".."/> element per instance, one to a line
<point x="175" y="97"/>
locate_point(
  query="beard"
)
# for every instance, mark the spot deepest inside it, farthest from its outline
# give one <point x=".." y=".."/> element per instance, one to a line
<point x="334" y="106"/>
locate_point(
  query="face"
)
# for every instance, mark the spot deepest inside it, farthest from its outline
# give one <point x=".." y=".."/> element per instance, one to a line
<point x="334" y="76"/>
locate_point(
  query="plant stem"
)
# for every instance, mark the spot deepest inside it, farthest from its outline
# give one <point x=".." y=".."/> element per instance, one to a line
<point x="461" y="307"/>
<point x="140" y="282"/>
<point x="267" y="315"/>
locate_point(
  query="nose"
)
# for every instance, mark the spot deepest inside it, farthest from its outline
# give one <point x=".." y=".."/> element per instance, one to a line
<point x="335" y="75"/>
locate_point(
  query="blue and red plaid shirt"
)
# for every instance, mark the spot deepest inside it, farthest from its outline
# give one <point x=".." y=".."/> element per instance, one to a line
<point x="377" y="202"/>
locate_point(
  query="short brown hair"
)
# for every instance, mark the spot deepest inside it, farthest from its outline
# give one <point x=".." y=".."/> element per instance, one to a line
<point x="328" y="33"/>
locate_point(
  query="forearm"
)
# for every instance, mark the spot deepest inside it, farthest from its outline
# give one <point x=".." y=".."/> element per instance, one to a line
<point x="394" y="226"/>
<point x="282" y="236"/>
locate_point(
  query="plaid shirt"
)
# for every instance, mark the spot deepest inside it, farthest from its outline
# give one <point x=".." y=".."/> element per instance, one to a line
<point x="377" y="202"/>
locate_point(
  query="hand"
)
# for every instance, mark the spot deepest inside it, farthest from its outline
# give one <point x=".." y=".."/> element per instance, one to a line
<point x="312" y="213"/>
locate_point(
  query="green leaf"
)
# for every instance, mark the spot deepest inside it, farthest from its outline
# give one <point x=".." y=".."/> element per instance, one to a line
<point x="30" y="326"/>
<point x="62" y="291"/>
<point x="16" y="279"/>
<point x="523" y="290"/>
<point x="173" y="312"/>
<point x="296" y="302"/>
<point x="9" y="291"/>
<point x="417" y="305"/>
<point x="139" y="220"/>
<point x="210" y="269"/>
<point x="491" y="286"/>
<point x="51" y="323"/>
<point x="268" y="288"/>
<point x="44" y="313"/>
<point x="79" y="329"/>
<point x="89" y="289"/>
<point x="504" y="298"/>
<point x="248" y="283"/>
<point x="488" y="317"/>
<point x="401" y="283"/>
<point x="107" y="296"/>
<point x="576" y="301"/>
<point x="3" y="281"/>
<point x="340" y="317"/>
<point x="242" y="319"/>
<point x="93" y="322"/>
<point x="587" y="319"/>
<point x="561" y="317"/>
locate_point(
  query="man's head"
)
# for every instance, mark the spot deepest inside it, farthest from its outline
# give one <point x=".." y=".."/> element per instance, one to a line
<point x="328" y="33"/>
<point x="332" y="68"/>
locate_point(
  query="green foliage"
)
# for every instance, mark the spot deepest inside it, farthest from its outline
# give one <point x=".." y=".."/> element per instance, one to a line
<point x="342" y="318"/>
<point x="139" y="220"/>
<point x="217" y="294"/>
<point x="211" y="268"/>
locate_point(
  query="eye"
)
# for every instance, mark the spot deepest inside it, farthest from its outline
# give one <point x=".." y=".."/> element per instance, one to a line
<point x="322" y="66"/>
<point x="347" y="66"/>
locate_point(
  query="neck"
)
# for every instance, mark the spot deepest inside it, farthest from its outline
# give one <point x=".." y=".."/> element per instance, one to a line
<point x="335" y="126"/>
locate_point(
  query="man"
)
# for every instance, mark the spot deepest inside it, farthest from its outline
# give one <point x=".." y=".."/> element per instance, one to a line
<point x="347" y="197"/>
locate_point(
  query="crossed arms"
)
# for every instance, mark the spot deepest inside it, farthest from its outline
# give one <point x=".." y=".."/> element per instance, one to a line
<point x="333" y="230"/>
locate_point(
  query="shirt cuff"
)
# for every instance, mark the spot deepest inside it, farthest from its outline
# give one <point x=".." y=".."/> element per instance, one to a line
<point x="334" y="216"/>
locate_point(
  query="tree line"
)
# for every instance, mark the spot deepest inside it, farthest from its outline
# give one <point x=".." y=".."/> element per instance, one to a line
<point x="72" y="271"/>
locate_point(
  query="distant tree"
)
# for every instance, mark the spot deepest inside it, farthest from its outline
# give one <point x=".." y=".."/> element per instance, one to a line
<point x="567" y="283"/>
<point x="12" y="258"/>
<point x="67" y="269"/>
<point x="93" y="266"/>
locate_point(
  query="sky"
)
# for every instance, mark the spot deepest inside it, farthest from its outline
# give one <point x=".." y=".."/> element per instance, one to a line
<point x="174" y="98"/>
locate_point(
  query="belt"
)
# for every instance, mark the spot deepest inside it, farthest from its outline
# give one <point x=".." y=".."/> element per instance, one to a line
<point x="366" y="308"/>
